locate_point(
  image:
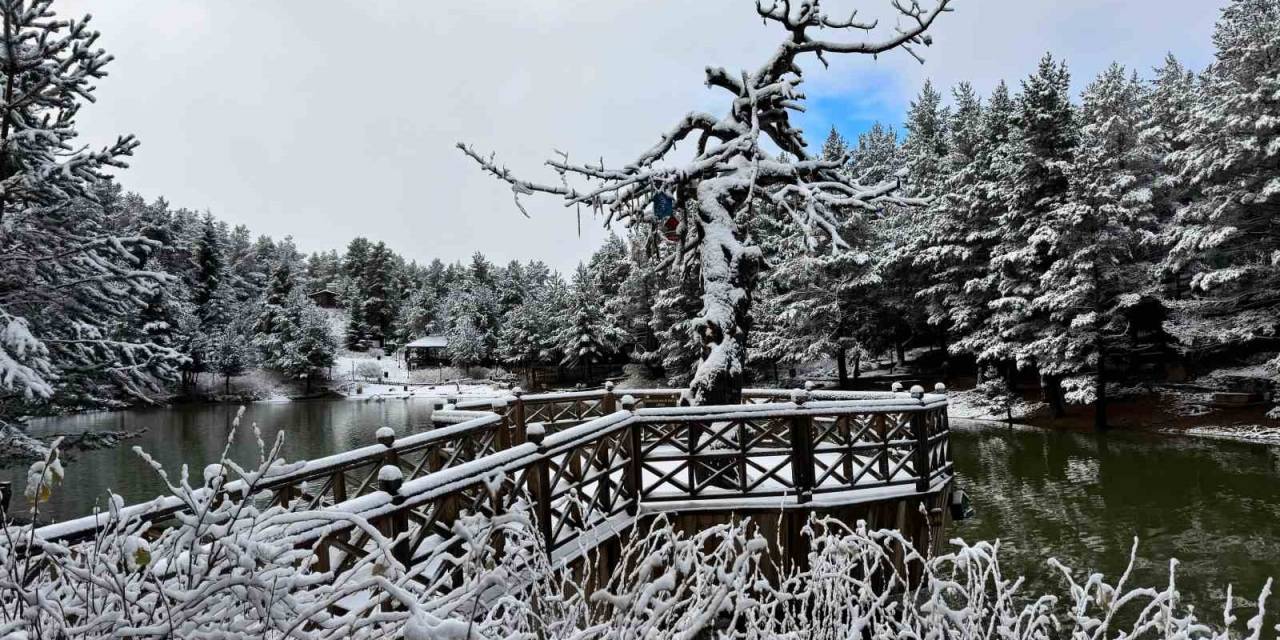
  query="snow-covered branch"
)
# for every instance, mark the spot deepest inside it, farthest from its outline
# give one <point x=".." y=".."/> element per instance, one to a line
<point x="712" y="195"/>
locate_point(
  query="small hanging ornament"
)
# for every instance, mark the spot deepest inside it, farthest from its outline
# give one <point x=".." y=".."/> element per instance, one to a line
<point x="663" y="206"/>
<point x="671" y="229"/>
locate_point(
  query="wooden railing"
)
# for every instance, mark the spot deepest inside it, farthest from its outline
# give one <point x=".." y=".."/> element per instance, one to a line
<point x="590" y="463"/>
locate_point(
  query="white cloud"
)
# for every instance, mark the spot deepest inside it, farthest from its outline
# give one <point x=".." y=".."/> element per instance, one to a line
<point x="329" y="119"/>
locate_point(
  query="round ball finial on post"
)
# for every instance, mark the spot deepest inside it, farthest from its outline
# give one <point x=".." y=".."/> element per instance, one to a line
<point x="536" y="432"/>
<point x="608" y="385"/>
<point x="390" y="479"/>
<point x="917" y="392"/>
<point x="386" y="436"/>
<point x="517" y="392"/>
<point x="809" y="385"/>
<point x="628" y="402"/>
<point x="800" y="396"/>
<point x="940" y="388"/>
<point x="896" y="387"/>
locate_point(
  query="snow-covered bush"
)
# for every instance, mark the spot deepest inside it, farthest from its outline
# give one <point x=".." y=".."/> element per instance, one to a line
<point x="369" y="370"/>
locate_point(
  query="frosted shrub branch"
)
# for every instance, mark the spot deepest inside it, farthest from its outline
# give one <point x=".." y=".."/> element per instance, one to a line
<point x="230" y="568"/>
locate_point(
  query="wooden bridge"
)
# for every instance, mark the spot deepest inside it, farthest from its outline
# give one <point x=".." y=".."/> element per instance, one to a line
<point x="594" y="464"/>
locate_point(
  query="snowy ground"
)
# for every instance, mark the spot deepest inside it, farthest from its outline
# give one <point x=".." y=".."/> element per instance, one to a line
<point x="971" y="405"/>
<point x="379" y="392"/>
<point x="1256" y="433"/>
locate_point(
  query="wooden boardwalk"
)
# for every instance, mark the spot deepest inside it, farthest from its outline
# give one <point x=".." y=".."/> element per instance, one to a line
<point x="592" y="464"/>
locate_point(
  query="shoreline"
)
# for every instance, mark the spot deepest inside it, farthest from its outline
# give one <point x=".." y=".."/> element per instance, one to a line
<point x="1260" y="434"/>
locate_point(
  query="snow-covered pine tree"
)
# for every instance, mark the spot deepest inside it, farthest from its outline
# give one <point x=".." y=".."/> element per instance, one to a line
<point x="609" y="268"/>
<point x="635" y="299"/>
<point x="324" y="270"/>
<point x="377" y="308"/>
<point x="1227" y="235"/>
<point x="355" y="264"/>
<point x="835" y="146"/>
<point x="1167" y="113"/>
<point x="470" y="308"/>
<point x="813" y="294"/>
<point x="949" y="249"/>
<point x="903" y="233"/>
<point x="978" y="200"/>
<point x="309" y="344"/>
<point x="512" y="287"/>
<point x="467" y="347"/>
<point x="878" y="157"/>
<point x="208" y="261"/>
<point x="1097" y="239"/>
<point x="1034" y="173"/>
<point x="731" y="169"/>
<point x="420" y="315"/>
<point x="530" y="329"/>
<point x="242" y="267"/>
<point x="675" y="305"/>
<point x="590" y="336"/>
<point x="271" y="329"/>
<point x="230" y="355"/>
<point x="67" y="347"/>
<point x="926" y="148"/>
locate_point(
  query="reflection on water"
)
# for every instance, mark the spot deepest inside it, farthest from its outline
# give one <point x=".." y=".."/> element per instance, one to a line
<point x="196" y="434"/>
<point x="1082" y="499"/>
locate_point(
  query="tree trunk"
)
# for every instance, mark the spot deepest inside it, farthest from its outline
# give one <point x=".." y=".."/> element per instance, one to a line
<point x="226" y="385"/>
<point x="728" y="270"/>
<point x="900" y="346"/>
<point x="857" y="365"/>
<point x="842" y="368"/>
<point x="1053" y="395"/>
<point x="1100" y="400"/>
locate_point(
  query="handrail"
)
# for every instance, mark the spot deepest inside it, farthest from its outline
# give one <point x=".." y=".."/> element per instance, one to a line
<point x="588" y="471"/>
<point x="289" y="476"/>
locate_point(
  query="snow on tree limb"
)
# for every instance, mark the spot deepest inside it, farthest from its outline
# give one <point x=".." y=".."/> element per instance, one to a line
<point x="731" y="172"/>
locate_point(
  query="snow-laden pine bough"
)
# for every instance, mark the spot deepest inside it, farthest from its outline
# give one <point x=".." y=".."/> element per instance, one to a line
<point x="714" y="195"/>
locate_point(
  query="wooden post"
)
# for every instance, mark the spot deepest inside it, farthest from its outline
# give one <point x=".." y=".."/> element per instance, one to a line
<point x="882" y="429"/>
<point x="846" y="432"/>
<point x="394" y="524"/>
<point x="322" y="563"/>
<point x="609" y="403"/>
<point x="802" y="449"/>
<point x="633" y="479"/>
<point x="540" y="486"/>
<point x="503" y="438"/>
<point x="387" y="437"/>
<point x="920" y="429"/>
<point x="518" y="435"/>
<point x="339" y="486"/>
<point x="389" y="480"/>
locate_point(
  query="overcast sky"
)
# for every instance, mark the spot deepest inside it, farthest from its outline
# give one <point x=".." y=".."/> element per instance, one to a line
<point x="329" y="119"/>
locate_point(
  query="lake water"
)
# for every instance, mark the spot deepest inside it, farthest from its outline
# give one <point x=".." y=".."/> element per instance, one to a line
<point x="1082" y="498"/>
<point x="1078" y="497"/>
<point x="196" y="435"/>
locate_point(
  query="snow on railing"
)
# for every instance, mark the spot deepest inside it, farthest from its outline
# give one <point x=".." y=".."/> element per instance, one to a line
<point x="587" y="477"/>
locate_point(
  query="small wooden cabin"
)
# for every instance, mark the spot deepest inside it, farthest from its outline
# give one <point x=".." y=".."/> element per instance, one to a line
<point x="325" y="299"/>
<point x="428" y="351"/>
